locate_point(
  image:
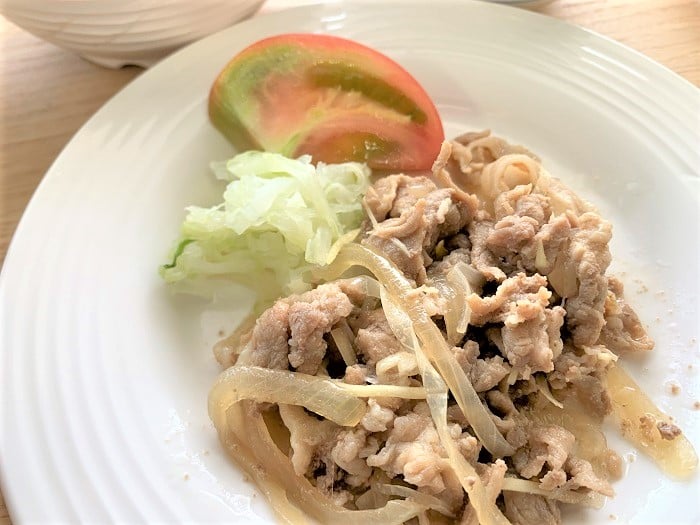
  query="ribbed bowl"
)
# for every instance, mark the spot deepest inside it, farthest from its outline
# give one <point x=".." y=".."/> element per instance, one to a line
<point x="114" y="33"/>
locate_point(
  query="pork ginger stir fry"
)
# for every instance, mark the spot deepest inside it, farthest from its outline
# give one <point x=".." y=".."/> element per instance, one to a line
<point x="454" y="365"/>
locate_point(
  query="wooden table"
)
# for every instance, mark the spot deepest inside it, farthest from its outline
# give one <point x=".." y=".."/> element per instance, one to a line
<point x="46" y="93"/>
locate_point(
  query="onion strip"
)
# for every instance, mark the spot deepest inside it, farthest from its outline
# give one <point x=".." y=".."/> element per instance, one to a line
<point x="320" y="395"/>
<point x="546" y="392"/>
<point x="370" y="286"/>
<point x="419" y="497"/>
<point x="454" y="288"/>
<point x="403" y="392"/>
<point x="342" y="342"/>
<point x="631" y="405"/>
<point x="588" y="499"/>
<point x="457" y="278"/>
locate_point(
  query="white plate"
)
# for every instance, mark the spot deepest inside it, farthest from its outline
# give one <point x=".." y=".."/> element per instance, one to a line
<point x="105" y="376"/>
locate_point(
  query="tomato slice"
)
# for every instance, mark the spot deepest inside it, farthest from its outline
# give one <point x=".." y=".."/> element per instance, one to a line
<point x="332" y="98"/>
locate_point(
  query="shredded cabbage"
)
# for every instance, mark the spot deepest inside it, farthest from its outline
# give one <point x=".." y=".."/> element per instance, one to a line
<point x="279" y="216"/>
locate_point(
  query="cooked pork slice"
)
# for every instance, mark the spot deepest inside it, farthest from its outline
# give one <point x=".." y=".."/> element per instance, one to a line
<point x="623" y="331"/>
<point x="548" y="446"/>
<point x="393" y="195"/>
<point x="529" y="509"/>
<point x="374" y="339"/>
<point x="513" y="425"/>
<point x="377" y="418"/>
<point x="487" y="373"/>
<point x="517" y="299"/>
<point x="581" y="371"/>
<point x="381" y="195"/>
<point x="574" y="364"/>
<point x="307" y="436"/>
<point x="533" y="343"/>
<point x="483" y="373"/>
<point x="310" y="320"/>
<point x="269" y="343"/>
<point x="401" y="241"/>
<point x="446" y="215"/>
<point x="582" y="476"/>
<point x="541" y="254"/>
<point x="522" y="245"/>
<point x="350" y="452"/>
<point x="588" y="253"/>
<point x="290" y="332"/>
<point x="413" y="450"/>
<point x="420" y="214"/>
<point x="482" y="257"/>
<point x="511" y="235"/>
<point x="520" y="214"/>
<point x="521" y="202"/>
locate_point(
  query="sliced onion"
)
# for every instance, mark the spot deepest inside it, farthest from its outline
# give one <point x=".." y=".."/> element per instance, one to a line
<point x="371" y="499"/>
<point x="403" y="392"/>
<point x="475" y="278"/>
<point x="546" y="393"/>
<point x="419" y="497"/>
<point x="457" y="278"/>
<point x="676" y="456"/>
<point x="344" y="345"/>
<point x="454" y="289"/>
<point x="588" y="499"/>
<point x="339" y="243"/>
<point x="396" y="368"/>
<point x="505" y="173"/>
<point x="320" y="395"/>
<point x="435" y="346"/>
<point x="370" y="286"/>
<point x="242" y="451"/>
<point x="541" y="262"/>
<point x="370" y="215"/>
<point x="233" y="344"/>
<point x="563" y="276"/>
<point x="453" y="307"/>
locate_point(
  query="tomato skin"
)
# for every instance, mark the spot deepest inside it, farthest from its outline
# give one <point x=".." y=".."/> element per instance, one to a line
<point x="329" y="97"/>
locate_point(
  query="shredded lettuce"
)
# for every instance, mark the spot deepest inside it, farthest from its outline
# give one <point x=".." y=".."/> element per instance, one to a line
<point x="279" y="216"/>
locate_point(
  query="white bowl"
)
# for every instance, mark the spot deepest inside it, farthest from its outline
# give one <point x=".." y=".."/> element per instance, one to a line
<point x="114" y="33"/>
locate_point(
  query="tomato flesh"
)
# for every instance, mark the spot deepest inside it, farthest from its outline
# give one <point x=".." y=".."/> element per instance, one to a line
<point x="329" y="97"/>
